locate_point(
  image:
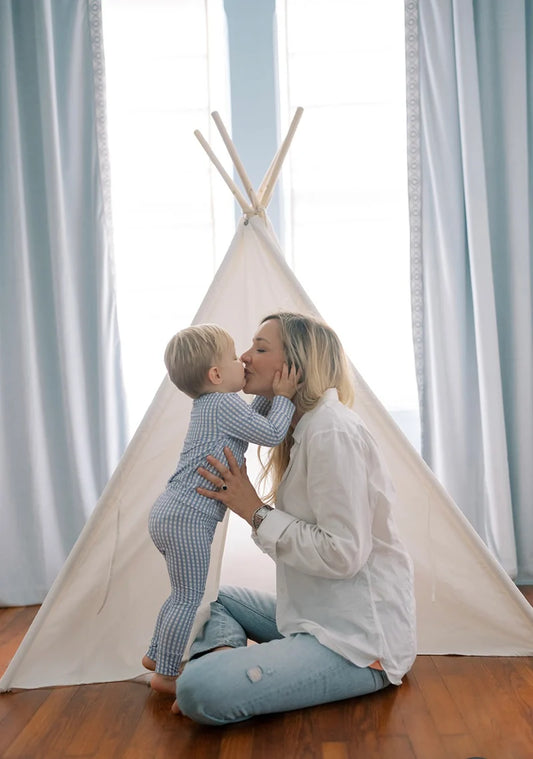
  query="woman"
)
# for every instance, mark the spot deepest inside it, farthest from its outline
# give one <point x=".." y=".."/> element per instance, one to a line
<point x="343" y="622"/>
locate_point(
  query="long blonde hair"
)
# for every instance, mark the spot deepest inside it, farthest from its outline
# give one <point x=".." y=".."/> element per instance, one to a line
<point x="314" y="348"/>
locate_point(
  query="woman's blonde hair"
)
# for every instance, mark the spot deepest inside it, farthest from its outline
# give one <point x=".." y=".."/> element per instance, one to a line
<point x="192" y="352"/>
<point x="315" y="349"/>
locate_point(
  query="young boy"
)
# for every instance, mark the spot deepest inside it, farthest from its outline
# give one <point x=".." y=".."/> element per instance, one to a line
<point x="201" y="361"/>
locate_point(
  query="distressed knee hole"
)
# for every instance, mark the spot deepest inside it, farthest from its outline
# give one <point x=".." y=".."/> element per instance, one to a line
<point x="254" y="674"/>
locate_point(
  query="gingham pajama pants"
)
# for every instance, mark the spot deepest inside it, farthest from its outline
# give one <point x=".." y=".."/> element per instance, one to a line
<point x="183" y="534"/>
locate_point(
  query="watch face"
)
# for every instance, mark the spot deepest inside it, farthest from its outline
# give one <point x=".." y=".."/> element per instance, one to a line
<point x="259" y="515"/>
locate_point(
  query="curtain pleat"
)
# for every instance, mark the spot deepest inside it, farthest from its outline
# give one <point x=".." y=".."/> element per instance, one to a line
<point x="474" y="267"/>
<point x="62" y="417"/>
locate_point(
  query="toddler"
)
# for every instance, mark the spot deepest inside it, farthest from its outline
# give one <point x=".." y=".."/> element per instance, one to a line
<point x="201" y="361"/>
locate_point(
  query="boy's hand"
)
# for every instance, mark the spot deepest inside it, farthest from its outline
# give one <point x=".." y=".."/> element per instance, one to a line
<point x="286" y="382"/>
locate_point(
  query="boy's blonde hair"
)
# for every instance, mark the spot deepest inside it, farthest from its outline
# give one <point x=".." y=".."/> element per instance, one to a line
<point x="192" y="352"/>
<point x="315" y="349"/>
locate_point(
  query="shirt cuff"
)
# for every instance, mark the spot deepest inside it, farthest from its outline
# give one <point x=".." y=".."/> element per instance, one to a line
<point x="271" y="529"/>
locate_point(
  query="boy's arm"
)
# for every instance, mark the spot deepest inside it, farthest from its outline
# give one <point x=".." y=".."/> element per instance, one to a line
<point x="261" y="405"/>
<point x="242" y="420"/>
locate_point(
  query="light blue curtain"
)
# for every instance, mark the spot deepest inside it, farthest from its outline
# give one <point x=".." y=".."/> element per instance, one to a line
<point x="470" y="70"/>
<point x="62" y="420"/>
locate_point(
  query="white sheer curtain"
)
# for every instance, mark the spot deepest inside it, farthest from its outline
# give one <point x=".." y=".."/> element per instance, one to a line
<point x="62" y="426"/>
<point x="345" y="182"/>
<point x="166" y="70"/>
<point x="474" y="271"/>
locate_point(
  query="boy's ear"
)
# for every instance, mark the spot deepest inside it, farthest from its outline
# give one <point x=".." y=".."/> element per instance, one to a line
<point x="214" y="376"/>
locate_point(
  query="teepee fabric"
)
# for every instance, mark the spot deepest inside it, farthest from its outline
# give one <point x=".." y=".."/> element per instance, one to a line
<point x="98" y="617"/>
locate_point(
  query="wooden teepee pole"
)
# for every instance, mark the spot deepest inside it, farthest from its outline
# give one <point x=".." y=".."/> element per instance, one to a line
<point x="239" y="197"/>
<point x="269" y="182"/>
<point x="241" y="171"/>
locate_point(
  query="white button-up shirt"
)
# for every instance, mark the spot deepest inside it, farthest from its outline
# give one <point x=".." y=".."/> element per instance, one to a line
<point x="342" y="573"/>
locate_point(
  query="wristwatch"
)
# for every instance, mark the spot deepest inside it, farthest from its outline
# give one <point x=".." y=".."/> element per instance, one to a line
<point x="258" y="516"/>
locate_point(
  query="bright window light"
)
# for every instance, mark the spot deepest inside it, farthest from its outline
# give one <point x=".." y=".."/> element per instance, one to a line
<point x="344" y="181"/>
<point x="166" y="70"/>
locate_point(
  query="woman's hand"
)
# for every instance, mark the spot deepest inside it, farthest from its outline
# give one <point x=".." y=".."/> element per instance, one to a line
<point x="234" y="488"/>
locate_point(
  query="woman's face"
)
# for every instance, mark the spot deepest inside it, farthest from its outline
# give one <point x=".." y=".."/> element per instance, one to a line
<point x="263" y="359"/>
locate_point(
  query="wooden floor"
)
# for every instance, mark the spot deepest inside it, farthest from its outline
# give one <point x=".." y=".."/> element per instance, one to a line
<point x="449" y="707"/>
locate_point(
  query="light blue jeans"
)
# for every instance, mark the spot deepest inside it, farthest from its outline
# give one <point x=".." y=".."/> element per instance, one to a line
<point x="278" y="674"/>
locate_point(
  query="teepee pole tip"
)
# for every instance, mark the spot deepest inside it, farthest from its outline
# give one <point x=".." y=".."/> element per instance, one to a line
<point x="269" y="182"/>
<point x="239" y="197"/>
<point x="239" y="166"/>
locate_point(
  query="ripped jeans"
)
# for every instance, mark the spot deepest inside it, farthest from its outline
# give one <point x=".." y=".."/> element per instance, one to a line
<point x="278" y="674"/>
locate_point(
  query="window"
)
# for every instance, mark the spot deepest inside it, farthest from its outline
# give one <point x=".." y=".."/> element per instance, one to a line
<point x="166" y="70"/>
<point x="342" y="207"/>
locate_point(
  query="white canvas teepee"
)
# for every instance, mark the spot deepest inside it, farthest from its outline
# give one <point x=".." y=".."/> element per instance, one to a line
<point x="97" y="619"/>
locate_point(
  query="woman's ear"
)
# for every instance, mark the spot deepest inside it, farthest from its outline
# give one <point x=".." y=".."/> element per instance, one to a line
<point x="214" y="376"/>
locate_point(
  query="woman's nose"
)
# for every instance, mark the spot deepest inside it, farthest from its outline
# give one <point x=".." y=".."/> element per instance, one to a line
<point x="245" y="358"/>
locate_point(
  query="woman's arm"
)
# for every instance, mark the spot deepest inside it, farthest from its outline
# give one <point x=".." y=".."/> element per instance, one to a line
<point x="332" y="534"/>
<point x="329" y="492"/>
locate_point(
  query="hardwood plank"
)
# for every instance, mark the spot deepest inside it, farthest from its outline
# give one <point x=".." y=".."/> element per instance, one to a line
<point x="390" y="720"/>
<point x="334" y="750"/>
<point x="268" y="735"/>
<point x="331" y="721"/>
<point x="159" y="734"/>
<point x="16" y="711"/>
<point x="512" y="679"/>
<point x="14" y="622"/>
<point x="237" y="743"/>
<point x="40" y="736"/>
<point x="86" y="727"/>
<point x="394" y="747"/>
<point x="419" y="724"/>
<point x="286" y="734"/>
<point x="369" y="727"/>
<point x="299" y="734"/>
<point x="495" y="718"/>
<point x="7" y="616"/>
<point x="462" y="746"/>
<point x="438" y="699"/>
<point x="363" y="719"/>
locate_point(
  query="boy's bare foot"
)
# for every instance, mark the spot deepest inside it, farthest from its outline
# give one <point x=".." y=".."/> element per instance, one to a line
<point x="165" y="684"/>
<point x="148" y="663"/>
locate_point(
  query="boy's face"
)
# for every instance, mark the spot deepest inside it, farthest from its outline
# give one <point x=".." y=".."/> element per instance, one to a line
<point x="232" y="371"/>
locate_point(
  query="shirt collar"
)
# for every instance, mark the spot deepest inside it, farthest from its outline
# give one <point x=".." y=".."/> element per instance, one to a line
<point x="330" y="395"/>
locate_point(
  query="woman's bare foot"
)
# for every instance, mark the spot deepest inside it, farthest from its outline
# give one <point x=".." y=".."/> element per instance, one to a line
<point x="165" y="684"/>
<point x="148" y="663"/>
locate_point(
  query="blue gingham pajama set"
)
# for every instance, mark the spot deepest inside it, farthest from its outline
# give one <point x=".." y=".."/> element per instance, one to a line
<point x="182" y="522"/>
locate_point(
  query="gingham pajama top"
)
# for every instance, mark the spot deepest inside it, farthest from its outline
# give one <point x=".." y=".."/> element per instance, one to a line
<point x="219" y="420"/>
